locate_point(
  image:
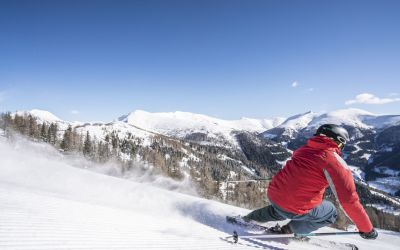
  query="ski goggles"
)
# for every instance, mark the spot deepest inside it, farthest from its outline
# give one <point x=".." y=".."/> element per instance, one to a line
<point x="341" y="140"/>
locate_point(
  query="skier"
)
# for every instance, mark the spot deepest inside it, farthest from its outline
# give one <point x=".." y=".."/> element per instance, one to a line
<point x="296" y="192"/>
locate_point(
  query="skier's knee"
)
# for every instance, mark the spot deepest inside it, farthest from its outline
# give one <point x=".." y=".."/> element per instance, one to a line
<point x="330" y="211"/>
<point x="332" y="216"/>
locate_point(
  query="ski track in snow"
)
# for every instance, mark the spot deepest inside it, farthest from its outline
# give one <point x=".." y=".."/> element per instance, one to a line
<point x="46" y="204"/>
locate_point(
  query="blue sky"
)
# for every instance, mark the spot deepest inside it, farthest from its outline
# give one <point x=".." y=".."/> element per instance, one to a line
<point x="96" y="60"/>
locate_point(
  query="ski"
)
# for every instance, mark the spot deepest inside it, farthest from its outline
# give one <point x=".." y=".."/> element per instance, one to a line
<point x="268" y="233"/>
<point x="313" y="241"/>
<point x="237" y="220"/>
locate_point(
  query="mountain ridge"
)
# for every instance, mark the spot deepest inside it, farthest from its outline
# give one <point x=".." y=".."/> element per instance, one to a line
<point x="343" y="116"/>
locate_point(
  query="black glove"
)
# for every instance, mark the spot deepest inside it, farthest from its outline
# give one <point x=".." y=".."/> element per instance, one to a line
<point x="370" y="235"/>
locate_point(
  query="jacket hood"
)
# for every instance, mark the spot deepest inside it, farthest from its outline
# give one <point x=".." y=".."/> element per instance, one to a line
<point x="323" y="142"/>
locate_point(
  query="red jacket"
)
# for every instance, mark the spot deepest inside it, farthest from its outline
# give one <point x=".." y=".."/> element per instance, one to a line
<point x="300" y="185"/>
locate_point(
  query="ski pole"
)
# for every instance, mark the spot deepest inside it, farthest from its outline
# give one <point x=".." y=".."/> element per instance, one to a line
<point x="266" y="236"/>
<point x="254" y="180"/>
<point x="330" y="233"/>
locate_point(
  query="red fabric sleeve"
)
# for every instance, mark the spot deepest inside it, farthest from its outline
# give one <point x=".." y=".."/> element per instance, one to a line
<point x="342" y="184"/>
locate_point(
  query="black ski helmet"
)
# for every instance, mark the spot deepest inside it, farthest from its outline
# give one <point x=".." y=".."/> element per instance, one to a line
<point x="336" y="132"/>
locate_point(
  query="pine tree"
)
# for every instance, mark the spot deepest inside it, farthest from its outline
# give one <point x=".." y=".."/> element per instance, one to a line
<point x="66" y="143"/>
<point x="43" y="132"/>
<point x="6" y="123"/>
<point x="114" y="140"/>
<point x="87" y="145"/>
<point x="52" y="133"/>
<point x="75" y="140"/>
<point x="18" y="124"/>
<point x="33" y="130"/>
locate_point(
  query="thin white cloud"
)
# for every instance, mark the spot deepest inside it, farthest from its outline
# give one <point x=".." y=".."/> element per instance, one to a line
<point x="367" y="98"/>
<point x="311" y="89"/>
<point x="75" y="112"/>
<point x="295" y="84"/>
<point x="393" y="94"/>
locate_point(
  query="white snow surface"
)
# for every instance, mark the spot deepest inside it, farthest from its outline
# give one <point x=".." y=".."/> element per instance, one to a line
<point x="46" y="203"/>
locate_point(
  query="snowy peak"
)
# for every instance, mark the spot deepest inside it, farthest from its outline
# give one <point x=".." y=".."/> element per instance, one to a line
<point x="40" y="115"/>
<point x="44" y="115"/>
<point x="351" y="117"/>
<point x="265" y="123"/>
<point x="171" y="123"/>
<point x="299" y="121"/>
<point x="357" y="118"/>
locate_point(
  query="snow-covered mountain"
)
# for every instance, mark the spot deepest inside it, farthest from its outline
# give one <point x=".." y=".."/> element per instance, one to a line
<point x="47" y="203"/>
<point x="186" y="125"/>
<point x="355" y="118"/>
<point x="43" y="115"/>
<point x="183" y="124"/>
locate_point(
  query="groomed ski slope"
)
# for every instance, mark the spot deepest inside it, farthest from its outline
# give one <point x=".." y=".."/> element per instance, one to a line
<point x="45" y="203"/>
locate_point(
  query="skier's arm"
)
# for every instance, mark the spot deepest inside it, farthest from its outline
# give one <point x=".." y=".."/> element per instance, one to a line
<point x="342" y="184"/>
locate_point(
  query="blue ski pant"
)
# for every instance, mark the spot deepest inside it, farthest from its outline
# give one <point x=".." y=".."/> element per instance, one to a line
<point x="322" y="215"/>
